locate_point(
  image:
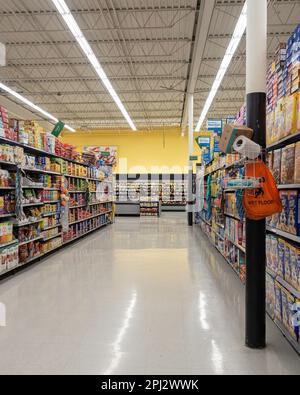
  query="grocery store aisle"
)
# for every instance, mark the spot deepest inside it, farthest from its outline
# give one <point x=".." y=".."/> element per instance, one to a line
<point x="143" y="296"/>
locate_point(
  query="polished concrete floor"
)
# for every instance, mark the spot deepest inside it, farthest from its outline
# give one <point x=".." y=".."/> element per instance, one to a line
<point x="144" y="296"/>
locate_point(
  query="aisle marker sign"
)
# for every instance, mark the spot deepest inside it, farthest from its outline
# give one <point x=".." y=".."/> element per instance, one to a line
<point x="215" y="125"/>
<point x="59" y="127"/>
<point x="203" y="141"/>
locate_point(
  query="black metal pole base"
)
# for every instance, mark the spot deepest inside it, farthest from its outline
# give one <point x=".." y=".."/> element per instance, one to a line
<point x="256" y="241"/>
<point x="190" y="219"/>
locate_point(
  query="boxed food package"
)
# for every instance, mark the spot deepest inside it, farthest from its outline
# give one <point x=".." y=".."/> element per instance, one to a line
<point x="270" y="128"/>
<point x="270" y="295"/>
<point x="298" y="112"/>
<point x="291" y="114"/>
<point x="270" y="158"/>
<point x="279" y="269"/>
<point x="278" y="302"/>
<point x="9" y="258"/>
<point x="288" y="165"/>
<point x="277" y="166"/>
<point x="293" y="219"/>
<point x="295" y="266"/>
<point x="297" y="163"/>
<point x="230" y="134"/>
<point x="289" y="219"/>
<point x="287" y="263"/>
<point x="6" y="232"/>
<point x="279" y="124"/>
<point x="288" y="312"/>
<point x="283" y="216"/>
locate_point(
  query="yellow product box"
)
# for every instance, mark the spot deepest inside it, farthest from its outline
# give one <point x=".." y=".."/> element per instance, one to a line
<point x="1" y="204"/>
<point x="280" y="128"/>
<point x="297" y="164"/>
<point x="84" y="171"/>
<point x="298" y="113"/>
<point x="273" y="67"/>
<point x="30" y="137"/>
<point x="47" y="163"/>
<point x="291" y="114"/>
<point x="55" y="167"/>
<point x="38" y="139"/>
<point x="270" y="128"/>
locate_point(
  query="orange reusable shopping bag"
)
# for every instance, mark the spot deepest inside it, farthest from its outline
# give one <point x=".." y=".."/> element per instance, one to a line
<point x="264" y="201"/>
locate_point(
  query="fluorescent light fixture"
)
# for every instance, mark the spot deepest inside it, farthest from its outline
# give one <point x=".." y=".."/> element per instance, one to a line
<point x="32" y="105"/>
<point x="65" y="12"/>
<point x="232" y="47"/>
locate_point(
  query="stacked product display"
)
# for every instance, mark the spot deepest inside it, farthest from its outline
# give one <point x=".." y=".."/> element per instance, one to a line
<point x="223" y="217"/>
<point x="149" y="208"/>
<point x="174" y="193"/>
<point x="171" y="190"/>
<point x="49" y="193"/>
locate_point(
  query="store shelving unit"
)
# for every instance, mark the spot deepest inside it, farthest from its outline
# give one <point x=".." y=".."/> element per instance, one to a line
<point x="42" y="230"/>
<point x="9" y="243"/>
<point x="150" y="208"/>
<point x="170" y="189"/>
<point x="221" y="239"/>
<point x="283" y="234"/>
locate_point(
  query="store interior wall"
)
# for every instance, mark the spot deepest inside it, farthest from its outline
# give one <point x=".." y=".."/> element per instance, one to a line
<point x="161" y="151"/>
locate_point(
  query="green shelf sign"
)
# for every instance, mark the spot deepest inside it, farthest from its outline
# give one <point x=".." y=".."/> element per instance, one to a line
<point x="59" y="127"/>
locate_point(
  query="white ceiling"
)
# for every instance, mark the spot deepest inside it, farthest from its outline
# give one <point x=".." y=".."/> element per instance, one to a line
<point x="145" y="46"/>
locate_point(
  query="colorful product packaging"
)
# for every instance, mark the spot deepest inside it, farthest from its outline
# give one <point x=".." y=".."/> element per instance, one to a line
<point x="297" y="162"/>
<point x="288" y="165"/>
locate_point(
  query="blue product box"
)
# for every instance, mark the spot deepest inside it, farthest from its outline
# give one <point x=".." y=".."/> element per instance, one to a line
<point x="290" y="42"/>
<point x="283" y="216"/>
<point x="295" y="57"/>
<point x="293" y="218"/>
<point x="291" y="310"/>
<point x="281" y="258"/>
<point x="297" y="253"/>
<point x="285" y="308"/>
<point x="287" y="263"/>
<point x="278" y="302"/>
<point x="295" y="266"/>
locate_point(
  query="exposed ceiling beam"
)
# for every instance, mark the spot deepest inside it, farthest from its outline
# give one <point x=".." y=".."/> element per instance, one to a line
<point x="201" y="31"/>
<point x="270" y="34"/>
<point x="93" y="10"/>
<point x="128" y="91"/>
<point x="84" y="103"/>
<point x="162" y="111"/>
<point x="96" y="41"/>
<point x="231" y="3"/>
<point x="91" y="79"/>
<point x="15" y="80"/>
<point x="34" y="62"/>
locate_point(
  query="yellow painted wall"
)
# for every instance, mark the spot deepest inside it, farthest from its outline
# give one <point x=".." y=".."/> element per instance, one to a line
<point x="140" y="152"/>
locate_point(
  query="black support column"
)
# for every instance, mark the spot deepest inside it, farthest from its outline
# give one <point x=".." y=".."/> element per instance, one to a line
<point x="256" y="119"/>
<point x="190" y="206"/>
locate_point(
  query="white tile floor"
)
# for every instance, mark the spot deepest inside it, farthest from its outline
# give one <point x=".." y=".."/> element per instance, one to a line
<point x="144" y="296"/>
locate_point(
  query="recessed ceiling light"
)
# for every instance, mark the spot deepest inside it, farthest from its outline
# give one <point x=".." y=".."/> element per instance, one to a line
<point x="66" y="14"/>
<point x="232" y="47"/>
<point x="32" y="105"/>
